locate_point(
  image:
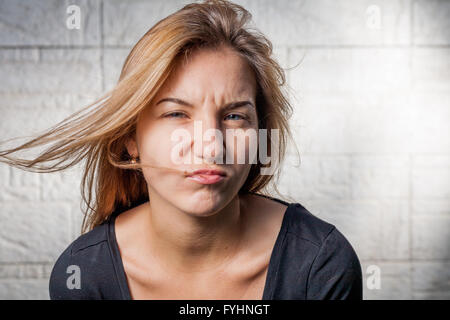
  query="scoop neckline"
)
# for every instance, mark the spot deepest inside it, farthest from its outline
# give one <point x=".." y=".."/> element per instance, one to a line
<point x="272" y="271"/>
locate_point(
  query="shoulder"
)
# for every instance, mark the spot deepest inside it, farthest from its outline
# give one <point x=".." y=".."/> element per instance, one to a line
<point x="334" y="267"/>
<point x="323" y="235"/>
<point x="83" y="268"/>
<point x="298" y="220"/>
<point x="308" y="226"/>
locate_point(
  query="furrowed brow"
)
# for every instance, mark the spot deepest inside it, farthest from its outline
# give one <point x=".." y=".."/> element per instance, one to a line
<point x="175" y="100"/>
<point x="231" y="105"/>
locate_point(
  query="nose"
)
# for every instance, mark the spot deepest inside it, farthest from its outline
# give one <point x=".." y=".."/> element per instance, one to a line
<point x="207" y="145"/>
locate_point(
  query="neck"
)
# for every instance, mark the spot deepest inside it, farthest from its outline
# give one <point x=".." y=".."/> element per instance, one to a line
<point x="189" y="243"/>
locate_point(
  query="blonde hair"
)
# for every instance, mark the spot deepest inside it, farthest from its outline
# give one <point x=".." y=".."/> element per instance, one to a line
<point x="98" y="132"/>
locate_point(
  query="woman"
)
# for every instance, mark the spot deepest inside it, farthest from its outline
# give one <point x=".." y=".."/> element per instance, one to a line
<point x="197" y="228"/>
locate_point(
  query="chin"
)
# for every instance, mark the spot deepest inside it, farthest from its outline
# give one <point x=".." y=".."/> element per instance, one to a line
<point x="204" y="202"/>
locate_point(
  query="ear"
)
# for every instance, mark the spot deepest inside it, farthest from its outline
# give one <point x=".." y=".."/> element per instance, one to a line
<point x="131" y="146"/>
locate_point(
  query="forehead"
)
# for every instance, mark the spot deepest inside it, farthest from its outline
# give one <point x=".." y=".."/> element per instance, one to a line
<point x="220" y="72"/>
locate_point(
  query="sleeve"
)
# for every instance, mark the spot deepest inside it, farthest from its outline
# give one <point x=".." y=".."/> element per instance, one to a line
<point x="335" y="273"/>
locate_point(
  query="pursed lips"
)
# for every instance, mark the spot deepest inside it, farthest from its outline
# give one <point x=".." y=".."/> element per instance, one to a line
<point x="207" y="176"/>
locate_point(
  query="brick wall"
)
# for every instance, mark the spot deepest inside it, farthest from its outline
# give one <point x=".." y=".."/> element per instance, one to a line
<point x="372" y="107"/>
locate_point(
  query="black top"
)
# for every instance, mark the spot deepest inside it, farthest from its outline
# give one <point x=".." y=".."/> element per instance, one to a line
<point x="311" y="259"/>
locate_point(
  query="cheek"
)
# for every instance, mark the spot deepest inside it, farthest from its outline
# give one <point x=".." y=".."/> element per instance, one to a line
<point x="155" y="147"/>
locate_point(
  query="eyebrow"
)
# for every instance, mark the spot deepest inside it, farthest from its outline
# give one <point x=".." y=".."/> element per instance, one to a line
<point x="230" y="105"/>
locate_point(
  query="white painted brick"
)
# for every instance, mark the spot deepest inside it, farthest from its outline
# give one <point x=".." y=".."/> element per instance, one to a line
<point x="310" y="119"/>
<point x="50" y="71"/>
<point x="126" y="22"/>
<point x="431" y="22"/>
<point x="44" y="23"/>
<point x="318" y="22"/>
<point x="430" y="206"/>
<point x="431" y="69"/>
<point x="62" y="185"/>
<point x="316" y="177"/>
<point x="32" y="114"/>
<point x="431" y="177"/>
<point x="432" y="295"/>
<point x="22" y="178"/>
<point x="33" y="232"/>
<point x="24" y="186"/>
<point x="360" y="71"/>
<point x="377" y="176"/>
<point x="25" y="271"/>
<point x="354" y="100"/>
<point x="397" y="123"/>
<point x="431" y="161"/>
<point x="27" y="289"/>
<point x="430" y="237"/>
<point x="428" y="115"/>
<point x="4" y="175"/>
<point x="76" y="218"/>
<point x="364" y="102"/>
<point x="431" y="279"/>
<point x="395" y="281"/>
<point x="283" y="22"/>
<point x="113" y="60"/>
<point x="395" y="229"/>
<point x="280" y="54"/>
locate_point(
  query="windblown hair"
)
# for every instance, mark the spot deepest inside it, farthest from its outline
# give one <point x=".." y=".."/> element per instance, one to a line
<point x="98" y="132"/>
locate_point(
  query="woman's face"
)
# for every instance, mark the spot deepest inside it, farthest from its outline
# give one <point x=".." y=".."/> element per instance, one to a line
<point x="208" y="82"/>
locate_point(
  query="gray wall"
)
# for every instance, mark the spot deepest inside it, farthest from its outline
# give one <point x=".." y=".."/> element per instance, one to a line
<point x="372" y="111"/>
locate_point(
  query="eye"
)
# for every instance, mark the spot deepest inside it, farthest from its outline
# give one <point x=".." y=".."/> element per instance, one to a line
<point x="174" y="115"/>
<point x="241" y="117"/>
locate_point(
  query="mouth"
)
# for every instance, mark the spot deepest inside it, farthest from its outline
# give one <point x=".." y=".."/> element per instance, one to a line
<point x="207" y="176"/>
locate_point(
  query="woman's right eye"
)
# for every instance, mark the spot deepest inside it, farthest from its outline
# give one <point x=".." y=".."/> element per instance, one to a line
<point x="174" y="115"/>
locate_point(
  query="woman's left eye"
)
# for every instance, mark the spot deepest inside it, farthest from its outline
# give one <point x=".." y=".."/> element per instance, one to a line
<point x="174" y="115"/>
<point x="238" y="115"/>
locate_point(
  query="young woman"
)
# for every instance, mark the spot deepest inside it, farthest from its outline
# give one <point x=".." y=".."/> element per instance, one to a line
<point x="197" y="229"/>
